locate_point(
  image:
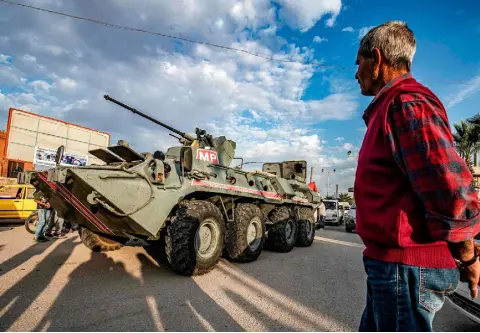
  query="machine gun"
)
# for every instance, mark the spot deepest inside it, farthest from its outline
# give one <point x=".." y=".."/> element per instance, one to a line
<point x="203" y="138"/>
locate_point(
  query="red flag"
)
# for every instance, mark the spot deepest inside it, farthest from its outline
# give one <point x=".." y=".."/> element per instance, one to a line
<point x="313" y="186"/>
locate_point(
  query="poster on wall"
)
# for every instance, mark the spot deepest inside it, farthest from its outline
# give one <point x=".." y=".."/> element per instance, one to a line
<point x="45" y="157"/>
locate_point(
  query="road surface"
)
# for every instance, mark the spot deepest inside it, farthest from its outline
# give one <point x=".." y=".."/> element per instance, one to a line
<point x="63" y="286"/>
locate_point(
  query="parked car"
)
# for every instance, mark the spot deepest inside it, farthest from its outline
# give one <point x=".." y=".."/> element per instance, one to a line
<point x="346" y="207"/>
<point x="350" y="219"/>
<point x="462" y="301"/>
<point x="16" y="202"/>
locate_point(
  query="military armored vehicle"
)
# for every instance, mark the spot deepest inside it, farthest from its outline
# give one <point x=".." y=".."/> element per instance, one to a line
<point x="189" y="199"/>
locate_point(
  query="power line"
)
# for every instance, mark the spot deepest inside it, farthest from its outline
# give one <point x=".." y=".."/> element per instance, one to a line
<point x="121" y="27"/>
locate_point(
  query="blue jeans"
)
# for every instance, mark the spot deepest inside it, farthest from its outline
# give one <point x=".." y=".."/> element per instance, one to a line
<point x="404" y="298"/>
<point x="43" y="216"/>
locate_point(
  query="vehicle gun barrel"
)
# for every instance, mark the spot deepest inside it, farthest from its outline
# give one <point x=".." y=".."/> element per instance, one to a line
<point x="182" y="134"/>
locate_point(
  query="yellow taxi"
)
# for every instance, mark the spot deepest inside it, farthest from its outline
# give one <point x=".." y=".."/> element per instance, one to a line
<point x="16" y="201"/>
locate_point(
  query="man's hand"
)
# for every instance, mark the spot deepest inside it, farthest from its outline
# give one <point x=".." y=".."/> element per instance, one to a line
<point x="464" y="251"/>
<point x="471" y="274"/>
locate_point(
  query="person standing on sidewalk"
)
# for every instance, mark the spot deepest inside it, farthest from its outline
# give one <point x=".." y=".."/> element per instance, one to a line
<point x="43" y="207"/>
<point x="417" y="212"/>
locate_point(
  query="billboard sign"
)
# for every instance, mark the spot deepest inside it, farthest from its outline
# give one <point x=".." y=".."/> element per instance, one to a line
<point x="45" y="157"/>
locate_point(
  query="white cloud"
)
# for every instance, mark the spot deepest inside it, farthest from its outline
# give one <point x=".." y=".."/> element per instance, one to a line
<point x="340" y="139"/>
<point x="363" y="31"/>
<point x="304" y="14"/>
<point x="40" y="85"/>
<point x="5" y="58"/>
<point x="11" y="75"/>
<point x="29" y="59"/>
<point x="3" y="102"/>
<point x="270" y="31"/>
<point x="219" y="23"/>
<point x="348" y="29"/>
<point x="347" y="146"/>
<point x="469" y="89"/>
<point x="66" y="84"/>
<point x="318" y="39"/>
<point x="335" y="106"/>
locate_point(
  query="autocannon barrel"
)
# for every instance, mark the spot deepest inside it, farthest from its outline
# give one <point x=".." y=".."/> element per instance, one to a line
<point x="182" y="134"/>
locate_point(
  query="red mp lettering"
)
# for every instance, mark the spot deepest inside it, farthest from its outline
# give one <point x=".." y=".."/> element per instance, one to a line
<point x="207" y="156"/>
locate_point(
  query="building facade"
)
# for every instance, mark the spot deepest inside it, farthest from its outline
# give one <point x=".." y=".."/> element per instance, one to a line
<point x="30" y="142"/>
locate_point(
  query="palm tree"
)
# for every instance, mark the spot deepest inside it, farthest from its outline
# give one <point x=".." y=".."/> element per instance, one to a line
<point x="344" y="197"/>
<point x="467" y="140"/>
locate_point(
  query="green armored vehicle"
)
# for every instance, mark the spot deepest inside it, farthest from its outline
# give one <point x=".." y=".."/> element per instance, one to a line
<point x="188" y="199"/>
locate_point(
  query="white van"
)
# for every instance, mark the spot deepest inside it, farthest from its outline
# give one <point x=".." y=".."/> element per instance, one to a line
<point x="346" y="208"/>
<point x="334" y="212"/>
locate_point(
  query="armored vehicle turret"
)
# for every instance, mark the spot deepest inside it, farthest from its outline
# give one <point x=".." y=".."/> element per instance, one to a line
<point x="189" y="199"/>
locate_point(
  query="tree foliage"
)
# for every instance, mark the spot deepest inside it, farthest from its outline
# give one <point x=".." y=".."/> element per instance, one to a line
<point x="345" y="197"/>
<point x="467" y="140"/>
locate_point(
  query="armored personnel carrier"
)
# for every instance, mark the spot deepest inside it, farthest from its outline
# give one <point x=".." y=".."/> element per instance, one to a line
<point x="188" y="199"/>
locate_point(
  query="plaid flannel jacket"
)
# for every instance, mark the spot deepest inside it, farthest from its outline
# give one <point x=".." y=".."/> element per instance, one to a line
<point x="422" y="145"/>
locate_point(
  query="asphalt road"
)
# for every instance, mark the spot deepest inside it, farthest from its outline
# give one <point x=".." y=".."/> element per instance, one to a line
<point x="63" y="286"/>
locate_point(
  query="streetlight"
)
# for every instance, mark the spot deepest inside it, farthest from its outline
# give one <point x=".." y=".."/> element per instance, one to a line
<point x="350" y="155"/>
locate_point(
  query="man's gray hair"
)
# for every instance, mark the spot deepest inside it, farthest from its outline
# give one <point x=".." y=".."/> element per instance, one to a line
<point x="395" y="41"/>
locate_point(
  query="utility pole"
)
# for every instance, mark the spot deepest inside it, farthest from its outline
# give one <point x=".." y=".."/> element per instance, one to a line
<point x="311" y="174"/>
<point x="336" y="191"/>
<point x="350" y="155"/>
<point x="328" y="182"/>
<point x="328" y="178"/>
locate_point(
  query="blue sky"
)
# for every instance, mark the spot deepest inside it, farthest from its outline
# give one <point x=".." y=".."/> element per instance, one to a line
<point x="448" y="45"/>
<point x="61" y="67"/>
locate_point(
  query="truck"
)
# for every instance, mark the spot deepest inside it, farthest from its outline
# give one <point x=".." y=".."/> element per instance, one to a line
<point x="334" y="212"/>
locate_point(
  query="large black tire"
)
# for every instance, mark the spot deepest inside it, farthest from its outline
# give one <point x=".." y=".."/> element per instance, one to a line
<point x="96" y="242"/>
<point x="282" y="234"/>
<point x="156" y="250"/>
<point x="182" y="244"/>
<point x="31" y="222"/>
<point x="249" y="222"/>
<point x="305" y="227"/>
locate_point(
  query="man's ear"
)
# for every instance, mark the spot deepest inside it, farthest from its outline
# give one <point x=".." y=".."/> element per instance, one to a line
<point x="377" y="61"/>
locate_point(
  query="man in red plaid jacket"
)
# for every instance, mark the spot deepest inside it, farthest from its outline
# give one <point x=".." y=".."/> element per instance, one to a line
<point x="417" y="212"/>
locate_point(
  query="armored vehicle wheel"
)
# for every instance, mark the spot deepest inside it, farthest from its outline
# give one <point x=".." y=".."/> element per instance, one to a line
<point x="96" y="242"/>
<point x="194" y="239"/>
<point x="245" y="235"/>
<point x="282" y="235"/>
<point x="305" y="227"/>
